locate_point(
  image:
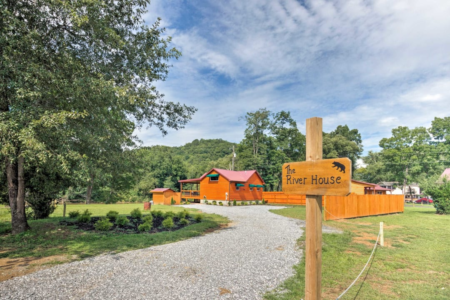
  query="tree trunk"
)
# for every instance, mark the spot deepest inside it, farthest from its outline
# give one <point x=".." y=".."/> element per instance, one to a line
<point x="89" y="189"/>
<point x="16" y="191"/>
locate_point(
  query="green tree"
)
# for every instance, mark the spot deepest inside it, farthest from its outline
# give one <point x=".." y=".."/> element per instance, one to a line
<point x="343" y="142"/>
<point x="69" y="69"/>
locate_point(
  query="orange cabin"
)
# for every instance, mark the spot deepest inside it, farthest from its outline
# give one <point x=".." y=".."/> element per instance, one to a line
<point x="164" y="196"/>
<point x="225" y="185"/>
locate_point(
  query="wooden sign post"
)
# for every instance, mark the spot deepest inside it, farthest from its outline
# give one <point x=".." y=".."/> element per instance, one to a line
<point x="315" y="177"/>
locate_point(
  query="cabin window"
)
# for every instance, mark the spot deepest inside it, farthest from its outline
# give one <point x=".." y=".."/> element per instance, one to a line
<point x="215" y="178"/>
<point x="251" y="189"/>
<point x="237" y="188"/>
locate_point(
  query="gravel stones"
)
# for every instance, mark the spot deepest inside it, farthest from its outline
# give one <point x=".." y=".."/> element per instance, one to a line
<point x="253" y="255"/>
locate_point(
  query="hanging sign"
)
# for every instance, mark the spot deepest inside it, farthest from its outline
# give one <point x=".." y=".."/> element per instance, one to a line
<point x="319" y="177"/>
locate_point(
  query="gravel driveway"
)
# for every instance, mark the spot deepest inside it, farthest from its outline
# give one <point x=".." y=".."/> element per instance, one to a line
<point x="253" y="255"/>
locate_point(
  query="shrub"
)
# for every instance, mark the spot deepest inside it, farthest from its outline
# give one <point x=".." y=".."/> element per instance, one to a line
<point x="157" y="214"/>
<point x="146" y="226"/>
<point x="103" y="224"/>
<point x="136" y="213"/>
<point x="220" y="203"/>
<point x="187" y="214"/>
<point x="172" y="202"/>
<point x="112" y="215"/>
<point x="168" y="223"/>
<point x="234" y="202"/>
<point x="85" y="217"/>
<point x="198" y="218"/>
<point x="74" y="214"/>
<point x="214" y="202"/>
<point x="169" y="214"/>
<point x="206" y="202"/>
<point x="183" y="222"/>
<point x="122" y="220"/>
<point x="148" y="218"/>
<point x="181" y="215"/>
<point x="441" y="196"/>
<point x="229" y="203"/>
<point x="264" y="201"/>
<point x="256" y="202"/>
<point x="239" y="204"/>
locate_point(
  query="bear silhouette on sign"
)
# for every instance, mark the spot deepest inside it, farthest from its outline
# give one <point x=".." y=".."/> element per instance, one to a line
<point x="339" y="166"/>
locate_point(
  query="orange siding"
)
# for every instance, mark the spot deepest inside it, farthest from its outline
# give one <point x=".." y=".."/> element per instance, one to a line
<point x="166" y="197"/>
<point x="338" y="207"/>
<point x="358" y="188"/>
<point x="244" y="193"/>
<point x="215" y="190"/>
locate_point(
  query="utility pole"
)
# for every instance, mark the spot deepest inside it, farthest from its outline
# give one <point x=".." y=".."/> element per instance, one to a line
<point x="232" y="160"/>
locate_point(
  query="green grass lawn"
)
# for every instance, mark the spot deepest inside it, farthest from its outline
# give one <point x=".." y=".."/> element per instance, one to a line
<point x="48" y="238"/>
<point x="414" y="264"/>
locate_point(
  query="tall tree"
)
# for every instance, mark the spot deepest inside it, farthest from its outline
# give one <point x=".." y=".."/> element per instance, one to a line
<point x="68" y="68"/>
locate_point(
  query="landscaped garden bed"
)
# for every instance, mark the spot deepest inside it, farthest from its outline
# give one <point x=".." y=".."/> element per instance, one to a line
<point x="135" y="223"/>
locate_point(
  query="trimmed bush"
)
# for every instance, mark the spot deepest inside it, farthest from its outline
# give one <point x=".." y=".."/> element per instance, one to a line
<point x="169" y="214"/>
<point x="183" y="222"/>
<point x="239" y="204"/>
<point x="220" y="203"/>
<point x="234" y="202"/>
<point x="168" y="223"/>
<point x="136" y="213"/>
<point x="148" y="218"/>
<point x="74" y="214"/>
<point x="157" y="214"/>
<point x="214" y="202"/>
<point x="146" y="226"/>
<point x="85" y="217"/>
<point x="122" y="220"/>
<point x="206" y="202"/>
<point x="112" y="215"/>
<point x="229" y="203"/>
<point x="181" y="215"/>
<point x="257" y="202"/>
<point x="198" y="218"/>
<point x="172" y="202"/>
<point x="103" y="224"/>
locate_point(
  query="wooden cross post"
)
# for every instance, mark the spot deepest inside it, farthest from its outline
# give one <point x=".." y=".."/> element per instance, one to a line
<point x="313" y="279"/>
<point x="315" y="178"/>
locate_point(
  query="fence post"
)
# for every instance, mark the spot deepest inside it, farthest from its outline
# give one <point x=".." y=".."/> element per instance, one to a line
<point x="64" y="210"/>
<point x="381" y="235"/>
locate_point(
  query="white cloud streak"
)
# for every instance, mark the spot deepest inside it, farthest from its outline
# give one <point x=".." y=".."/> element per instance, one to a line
<point x="371" y="64"/>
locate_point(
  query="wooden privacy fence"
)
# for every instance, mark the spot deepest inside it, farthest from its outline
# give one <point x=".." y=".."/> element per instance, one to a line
<point x="338" y="207"/>
<point x="354" y="206"/>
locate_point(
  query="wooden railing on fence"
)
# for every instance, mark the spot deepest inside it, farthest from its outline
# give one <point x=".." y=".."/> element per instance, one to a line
<point x="352" y="206"/>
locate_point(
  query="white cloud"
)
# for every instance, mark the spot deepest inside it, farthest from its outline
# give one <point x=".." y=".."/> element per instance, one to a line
<point x="373" y="65"/>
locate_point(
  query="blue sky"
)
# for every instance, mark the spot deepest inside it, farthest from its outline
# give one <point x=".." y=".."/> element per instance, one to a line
<point x="371" y="64"/>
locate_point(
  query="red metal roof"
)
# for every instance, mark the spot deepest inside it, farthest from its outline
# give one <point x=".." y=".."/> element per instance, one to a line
<point x="161" y="190"/>
<point x="232" y="176"/>
<point x="379" y="188"/>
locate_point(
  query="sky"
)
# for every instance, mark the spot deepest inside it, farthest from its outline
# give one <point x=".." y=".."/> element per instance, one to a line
<point x="373" y="65"/>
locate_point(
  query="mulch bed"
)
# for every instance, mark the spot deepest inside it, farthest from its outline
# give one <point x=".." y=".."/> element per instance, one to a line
<point x="130" y="228"/>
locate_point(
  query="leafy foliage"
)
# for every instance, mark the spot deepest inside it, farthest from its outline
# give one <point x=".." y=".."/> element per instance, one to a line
<point x="440" y="192"/>
<point x="146" y="226"/>
<point x="74" y="214"/>
<point x="136" y="213"/>
<point x="168" y="223"/>
<point x="112" y="215"/>
<point x="103" y="224"/>
<point x="198" y="218"/>
<point x="122" y="220"/>
<point x="183" y="222"/>
<point x="85" y="217"/>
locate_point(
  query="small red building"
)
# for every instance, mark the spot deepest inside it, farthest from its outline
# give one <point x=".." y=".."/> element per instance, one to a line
<point x="225" y="185"/>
